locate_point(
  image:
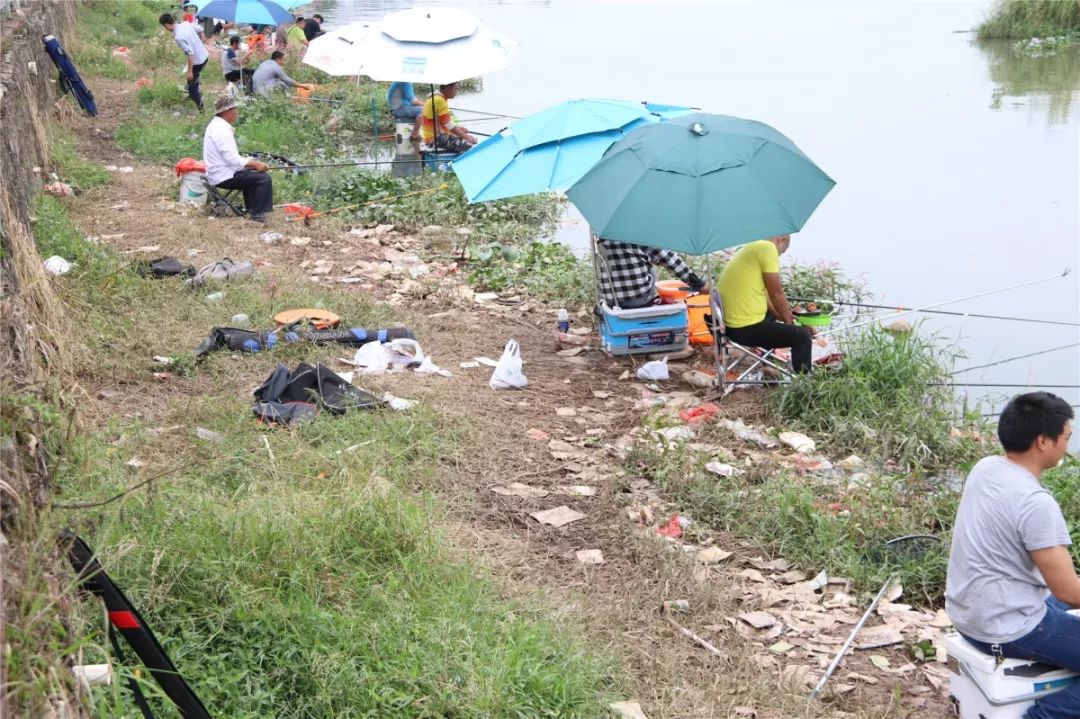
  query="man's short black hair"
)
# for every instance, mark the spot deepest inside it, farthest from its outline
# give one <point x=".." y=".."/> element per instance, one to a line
<point x="1029" y="416"/>
<point x="166" y="19"/>
<point x="299" y="18"/>
<point x="234" y="40"/>
<point x="277" y="55"/>
<point x="317" y="16"/>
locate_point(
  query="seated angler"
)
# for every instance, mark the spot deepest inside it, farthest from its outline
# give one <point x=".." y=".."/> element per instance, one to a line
<point x="1011" y="580"/>
<point x="269" y="76"/>
<point x="225" y="168"/>
<point x="232" y="64"/>
<point x="450" y="137"/>
<point x="628" y="273"/>
<point x="756" y="310"/>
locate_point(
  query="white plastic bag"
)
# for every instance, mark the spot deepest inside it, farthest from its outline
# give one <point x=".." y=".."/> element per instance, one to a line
<point x="507" y="374"/>
<point x="372" y="358"/>
<point x="655" y="370"/>
<point x="57" y="265"/>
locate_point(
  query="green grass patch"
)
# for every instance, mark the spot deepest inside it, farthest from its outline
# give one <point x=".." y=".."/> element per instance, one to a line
<point x="887" y="400"/>
<point x="1019" y="19"/>
<point x="81" y="174"/>
<point x="547" y="271"/>
<point x="162" y="93"/>
<point x="159" y="137"/>
<point x="56" y="234"/>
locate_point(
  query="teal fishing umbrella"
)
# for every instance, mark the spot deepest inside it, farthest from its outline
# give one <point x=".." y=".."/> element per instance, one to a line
<point x="700" y="183"/>
<point x="254" y="12"/>
<point x="553" y="148"/>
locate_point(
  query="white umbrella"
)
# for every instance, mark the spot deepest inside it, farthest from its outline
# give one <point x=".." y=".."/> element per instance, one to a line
<point x="437" y="24"/>
<point x="366" y="49"/>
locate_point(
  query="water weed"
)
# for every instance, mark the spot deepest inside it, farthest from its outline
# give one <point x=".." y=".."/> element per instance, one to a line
<point x="1018" y="19"/>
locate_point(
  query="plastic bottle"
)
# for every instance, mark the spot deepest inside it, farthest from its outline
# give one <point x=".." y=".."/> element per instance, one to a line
<point x="563" y="320"/>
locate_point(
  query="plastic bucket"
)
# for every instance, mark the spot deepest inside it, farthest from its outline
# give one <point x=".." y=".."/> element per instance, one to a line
<point x="819" y="320"/>
<point x="192" y="188"/>
<point x="697" y="306"/>
<point x="403" y="143"/>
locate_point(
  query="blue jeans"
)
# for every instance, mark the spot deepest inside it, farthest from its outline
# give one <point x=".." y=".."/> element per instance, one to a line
<point x="1056" y="641"/>
<point x="406" y="113"/>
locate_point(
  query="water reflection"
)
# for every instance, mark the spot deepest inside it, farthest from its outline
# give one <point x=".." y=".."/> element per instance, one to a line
<point x="1049" y="82"/>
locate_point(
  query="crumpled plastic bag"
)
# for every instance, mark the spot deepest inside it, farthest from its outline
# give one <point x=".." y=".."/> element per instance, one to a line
<point x="372" y="358"/>
<point x="657" y="370"/>
<point x="57" y="265"/>
<point x="508" y="372"/>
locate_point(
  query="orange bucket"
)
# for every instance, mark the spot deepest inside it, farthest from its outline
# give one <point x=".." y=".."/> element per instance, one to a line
<point x="697" y="306"/>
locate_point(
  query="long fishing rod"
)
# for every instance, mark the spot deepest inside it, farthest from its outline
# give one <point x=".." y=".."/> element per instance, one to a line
<point x="485" y="112"/>
<point x="1018" y="357"/>
<point x="937" y="312"/>
<point x="949" y="302"/>
<point x="1004" y="384"/>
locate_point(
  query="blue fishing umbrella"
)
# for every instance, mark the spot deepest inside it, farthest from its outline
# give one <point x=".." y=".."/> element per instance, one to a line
<point x="505" y="165"/>
<point x="254" y="12"/>
<point x="579" y="117"/>
<point x="700" y="183"/>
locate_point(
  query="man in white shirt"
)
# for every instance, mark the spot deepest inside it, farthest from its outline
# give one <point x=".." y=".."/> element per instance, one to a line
<point x="1011" y="580"/>
<point x="188" y="40"/>
<point x="225" y="168"/>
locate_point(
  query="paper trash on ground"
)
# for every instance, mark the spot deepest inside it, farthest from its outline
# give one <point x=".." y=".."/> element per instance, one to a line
<point x="557" y="517"/>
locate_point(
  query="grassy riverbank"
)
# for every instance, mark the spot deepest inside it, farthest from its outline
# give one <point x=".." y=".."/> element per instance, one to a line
<point x="1022" y="19"/>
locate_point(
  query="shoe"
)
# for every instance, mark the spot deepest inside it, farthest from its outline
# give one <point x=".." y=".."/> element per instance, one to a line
<point x="258" y="218"/>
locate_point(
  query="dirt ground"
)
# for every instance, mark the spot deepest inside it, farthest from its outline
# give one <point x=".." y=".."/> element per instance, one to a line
<point x="564" y="430"/>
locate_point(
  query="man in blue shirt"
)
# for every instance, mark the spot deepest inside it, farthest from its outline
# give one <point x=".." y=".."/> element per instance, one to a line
<point x="405" y="106"/>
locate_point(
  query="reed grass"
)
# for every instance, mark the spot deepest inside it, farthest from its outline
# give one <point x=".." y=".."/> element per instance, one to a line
<point x="1020" y="19"/>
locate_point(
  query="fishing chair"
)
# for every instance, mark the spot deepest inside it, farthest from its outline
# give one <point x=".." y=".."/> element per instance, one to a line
<point x="735" y="362"/>
<point x="223" y="203"/>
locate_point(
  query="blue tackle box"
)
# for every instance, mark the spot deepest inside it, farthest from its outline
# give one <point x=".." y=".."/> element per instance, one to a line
<point x="644" y="330"/>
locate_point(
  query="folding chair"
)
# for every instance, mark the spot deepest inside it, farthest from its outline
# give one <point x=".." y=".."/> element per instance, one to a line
<point x="222" y="203"/>
<point x="727" y="363"/>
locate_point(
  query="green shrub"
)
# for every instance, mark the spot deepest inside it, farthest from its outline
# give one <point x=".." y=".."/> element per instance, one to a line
<point x="887" y="399"/>
<point x="1018" y="19"/>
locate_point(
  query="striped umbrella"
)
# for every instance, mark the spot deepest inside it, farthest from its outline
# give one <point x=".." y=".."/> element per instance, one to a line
<point x="254" y="12"/>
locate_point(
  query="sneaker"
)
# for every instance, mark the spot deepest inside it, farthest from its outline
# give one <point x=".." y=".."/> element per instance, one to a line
<point x="258" y="218"/>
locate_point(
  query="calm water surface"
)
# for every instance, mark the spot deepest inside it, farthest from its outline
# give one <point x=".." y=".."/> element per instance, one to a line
<point x="957" y="164"/>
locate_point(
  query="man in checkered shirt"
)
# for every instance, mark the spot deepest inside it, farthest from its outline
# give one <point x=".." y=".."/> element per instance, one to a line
<point x="628" y="273"/>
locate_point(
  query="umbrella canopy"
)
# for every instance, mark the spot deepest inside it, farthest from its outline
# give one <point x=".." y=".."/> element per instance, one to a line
<point x="368" y="50"/>
<point x="436" y="24"/>
<point x="255" y="12"/>
<point x="507" y="165"/>
<point x="700" y="183"/>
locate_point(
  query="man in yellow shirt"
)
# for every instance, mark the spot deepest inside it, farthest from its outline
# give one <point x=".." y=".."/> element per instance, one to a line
<point x="451" y="137"/>
<point x="756" y="311"/>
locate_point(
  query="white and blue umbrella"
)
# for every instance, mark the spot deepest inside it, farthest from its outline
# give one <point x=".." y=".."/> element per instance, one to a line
<point x="253" y="12"/>
<point x="552" y="149"/>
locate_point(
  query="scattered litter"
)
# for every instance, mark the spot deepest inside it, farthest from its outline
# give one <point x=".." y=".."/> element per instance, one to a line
<point x="59" y="189"/>
<point x="240" y="320"/>
<point x="879" y="661"/>
<point x="711" y="555"/>
<point x="745" y="433"/>
<point x="209" y="435"/>
<point x="820" y="581"/>
<point x="135" y="462"/>
<point x="570" y="352"/>
<point x="398" y="404"/>
<point x="697" y="378"/>
<point x="793" y="576"/>
<point x="657" y="370"/>
<point x="558" y="516"/>
<point x="537" y="435"/>
<point x="89" y="675"/>
<point x="675" y="606"/>
<point x="674" y="434"/>
<point x="625" y="375"/>
<point x="508" y="372"/>
<point x="699" y="414"/>
<point x="517" y="489"/>
<point x="881" y="636"/>
<point x="215" y="297"/>
<point x="486" y="361"/>
<point x="720" y="469"/>
<point x="482" y="297"/>
<point x="163" y="375"/>
<point x="601" y="394"/>
<point x="468" y="365"/>
<point x="562" y="450"/>
<point x="224" y="269"/>
<point x="57" y="265"/>
<point x="579" y="490"/>
<point x="589" y="556"/>
<point x="672" y="528"/>
<point x="753" y="575"/>
<point x="758" y="620"/>
<point x="428" y="366"/>
<point x="798" y="441"/>
<point x="163" y="360"/>
<point x="851" y="463"/>
<point x="628" y="710"/>
<point x="271" y="237"/>
<point x="781" y="647"/>
<point x="288" y="397"/>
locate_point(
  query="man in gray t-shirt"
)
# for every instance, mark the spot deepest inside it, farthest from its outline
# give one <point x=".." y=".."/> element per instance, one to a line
<point x="269" y="76"/>
<point x="1011" y="579"/>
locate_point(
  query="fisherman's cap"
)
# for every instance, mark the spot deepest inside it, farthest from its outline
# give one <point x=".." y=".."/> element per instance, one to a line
<point x="223" y="103"/>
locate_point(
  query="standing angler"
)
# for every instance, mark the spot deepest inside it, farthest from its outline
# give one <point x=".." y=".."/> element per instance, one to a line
<point x="187" y="38"/>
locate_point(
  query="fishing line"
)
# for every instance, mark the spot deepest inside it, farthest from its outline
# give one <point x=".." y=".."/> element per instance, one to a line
<point x="939" y="312"/>
<point x="1010" y="359"/>
<point x="1004" y="384"/>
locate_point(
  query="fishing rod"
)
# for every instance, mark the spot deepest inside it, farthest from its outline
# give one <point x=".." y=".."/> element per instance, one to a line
<point x="352" y="163"/>
<point x="1003" y="384"/>
<point x="949" y="302"/>
<point x="1018" y="357"/>
<point x="938" y="312"/>
<point x="485" y="112"/>
<point x="305" y="215"/>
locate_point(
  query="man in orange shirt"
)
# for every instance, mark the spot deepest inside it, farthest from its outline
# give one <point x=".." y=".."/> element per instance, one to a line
<point x="450" y="137"/>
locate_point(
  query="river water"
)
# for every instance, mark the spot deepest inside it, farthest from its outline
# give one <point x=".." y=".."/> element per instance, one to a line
<point x="957" y="164"/>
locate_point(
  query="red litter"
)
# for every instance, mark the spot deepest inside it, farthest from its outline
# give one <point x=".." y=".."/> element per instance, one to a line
<point x="672" y="529"/>
<point x="698" y="414"/>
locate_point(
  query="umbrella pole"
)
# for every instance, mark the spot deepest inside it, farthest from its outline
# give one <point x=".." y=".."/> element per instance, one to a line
<point x="719" y="353"/>
<point x="435" y="125"/>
